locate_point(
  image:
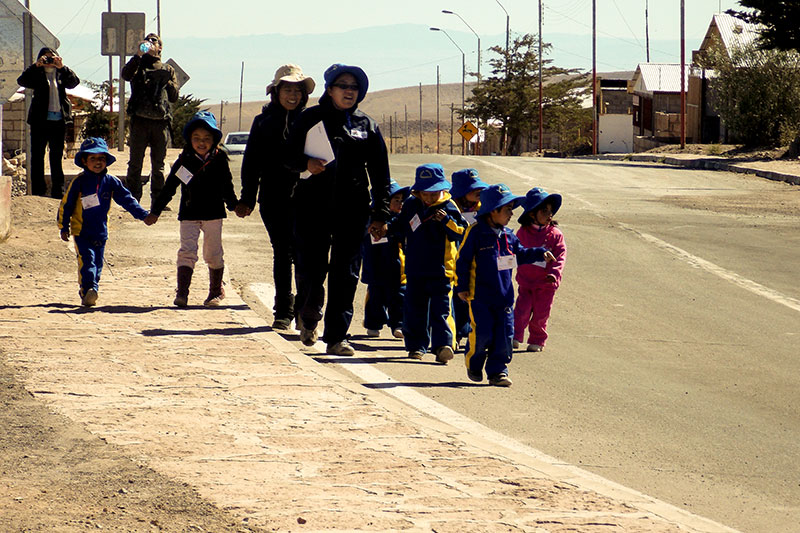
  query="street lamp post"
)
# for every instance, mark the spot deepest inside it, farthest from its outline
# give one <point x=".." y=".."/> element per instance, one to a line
<point x="448" y="12"/>
<point x="508" y="21"/>
<point x="463" y="71"/>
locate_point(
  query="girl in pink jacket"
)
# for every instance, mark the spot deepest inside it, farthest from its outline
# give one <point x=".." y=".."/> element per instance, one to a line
<point x="538" y="281"/>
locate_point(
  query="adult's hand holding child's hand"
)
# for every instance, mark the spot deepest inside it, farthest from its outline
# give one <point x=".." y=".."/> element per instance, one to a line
<point x="65" y="235"/>
<point x="151" y="219"/>
<point x="242" y="210"/>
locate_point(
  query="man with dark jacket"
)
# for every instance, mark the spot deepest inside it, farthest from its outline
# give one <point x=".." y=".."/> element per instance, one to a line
<point x="153" y="87"/>
<point x="49" y="114"/>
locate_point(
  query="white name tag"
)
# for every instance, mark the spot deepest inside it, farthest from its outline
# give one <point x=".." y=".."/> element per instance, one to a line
<point x="90" y="201"/>
<point x="184" y="175"/>
<point x="542" y="264"/>
<point x="415" y="222"/>
<point x="382" y="240"/>
<point x="470" y="217"/>
<point x="358" y="134"/>
<point x="506" y="262"/>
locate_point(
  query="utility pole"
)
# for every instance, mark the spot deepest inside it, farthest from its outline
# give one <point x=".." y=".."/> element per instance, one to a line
<point x="594" y="77"/>
<point x="420" y="117"/>
<point x="241" y="84"/>
<point x="110" y="77"/>
<point x="158" y="18"/>
<point x="391" y="136"/>
<point x="451" y="128"/>
<point x="683" y="75"/>
<point x="405" y="107"/>
<point x="27" y="46"/>
<point x="647" y="27"/>
<point x="437" y="109"/>
<point x="541" y="92"/>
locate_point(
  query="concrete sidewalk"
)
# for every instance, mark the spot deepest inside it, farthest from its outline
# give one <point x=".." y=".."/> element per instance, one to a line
<point x="215" y="399"/>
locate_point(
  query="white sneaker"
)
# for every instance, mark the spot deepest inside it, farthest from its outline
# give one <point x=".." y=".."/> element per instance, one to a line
<point x="515" y="344"/>
<point x="535" y="348"/>
<point x="373" y="333"/>
<point x="89" y="298"/>
<point x="397" y="333"/>
<point x="342" y="348"/>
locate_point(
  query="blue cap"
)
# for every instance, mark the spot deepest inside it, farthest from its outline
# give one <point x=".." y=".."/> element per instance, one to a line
<point x="202" y="119"/>
<point x="430" y="178"/>
<point x="395" y="188"/>
<point x="337" y="69"/>
<point x="465" y="181"/>
<point x="536" y="197"/>
<point x="93" y="145"/>
<point x="495" y="196"/>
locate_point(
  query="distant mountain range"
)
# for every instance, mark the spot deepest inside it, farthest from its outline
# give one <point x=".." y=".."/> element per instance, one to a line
<point x="393" y="56"/>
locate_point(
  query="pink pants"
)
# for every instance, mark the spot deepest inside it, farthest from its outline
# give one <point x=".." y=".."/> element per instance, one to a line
<point x="532" y="310"/>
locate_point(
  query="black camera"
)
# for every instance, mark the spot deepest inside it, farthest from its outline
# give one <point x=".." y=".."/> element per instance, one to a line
<point x="47" y="60"/>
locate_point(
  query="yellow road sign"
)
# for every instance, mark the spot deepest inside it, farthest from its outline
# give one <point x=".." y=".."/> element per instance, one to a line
<point x="468" y="130"/>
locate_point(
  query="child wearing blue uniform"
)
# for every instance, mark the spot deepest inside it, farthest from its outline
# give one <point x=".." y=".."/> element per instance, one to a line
<point x="486" y="259"/>
<point x="466" y="193"/>
<point x="84" y="212"/>
<point x="431" y="225"/>
<point x="204" y="176"/>
<point x="382" y="270"/>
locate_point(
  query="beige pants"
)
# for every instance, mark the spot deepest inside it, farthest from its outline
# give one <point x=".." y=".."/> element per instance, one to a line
<point x="212" y="242"/>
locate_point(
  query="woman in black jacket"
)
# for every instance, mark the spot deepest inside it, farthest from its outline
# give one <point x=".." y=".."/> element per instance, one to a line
<point x="264" y="176"/>
<point x="334" y="204"/>
<point x="49" y="114"/>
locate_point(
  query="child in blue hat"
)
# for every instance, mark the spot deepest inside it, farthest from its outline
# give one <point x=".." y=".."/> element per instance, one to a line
<point x="538" y="282"/>
<point x="431" y="224"/>
<point x="487" y="256"/>
<point x="382" y="270"/>
<point x="206" y="183"/>
<point x="84" y="212"/>
<point x="466" y="193"/>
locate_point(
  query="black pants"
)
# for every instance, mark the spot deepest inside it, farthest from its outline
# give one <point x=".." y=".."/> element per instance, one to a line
<point x="146" y="132"/>
<point x="329" y="246"/>
<point x="43" y="134"/>
<point x="278" y="217"/>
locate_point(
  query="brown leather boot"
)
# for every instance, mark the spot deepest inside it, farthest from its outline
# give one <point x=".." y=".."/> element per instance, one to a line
<point x="184" y="280"/>
<point x="215" y="291"/>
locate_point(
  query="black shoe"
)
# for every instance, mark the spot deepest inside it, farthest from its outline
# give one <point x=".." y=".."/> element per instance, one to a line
<point x="281" y="323"/>
<point x="475" y="376"/>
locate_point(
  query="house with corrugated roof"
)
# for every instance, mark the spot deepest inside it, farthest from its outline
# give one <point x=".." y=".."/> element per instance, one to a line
<point x="656" y="89"/>
<point x="725" y="33"/>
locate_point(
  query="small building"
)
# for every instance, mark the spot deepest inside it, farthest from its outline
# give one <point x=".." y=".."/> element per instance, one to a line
<point x="656" y="90"/>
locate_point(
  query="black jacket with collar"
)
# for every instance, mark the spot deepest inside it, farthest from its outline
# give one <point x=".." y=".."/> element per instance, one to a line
<point x="153" y="86"/>
<point x="35" y="78"/>
<point x="263" y="170"/>
<point x="207" y="194"/>
<point x="361" y="163"/>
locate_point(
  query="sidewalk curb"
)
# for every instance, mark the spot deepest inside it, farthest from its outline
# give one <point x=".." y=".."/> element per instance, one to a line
<point x="494" y="443"/>
<point x="701" y="163"/>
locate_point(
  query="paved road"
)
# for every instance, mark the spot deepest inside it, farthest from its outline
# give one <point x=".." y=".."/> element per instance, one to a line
<point x="673" y="361"/>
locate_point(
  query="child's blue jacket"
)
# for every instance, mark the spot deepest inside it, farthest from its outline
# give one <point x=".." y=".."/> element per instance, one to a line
<point x="383" y="263"/>
<point x="431" y="247"/>
<point x="476" y="266"/>
<point x="92" y="222"/>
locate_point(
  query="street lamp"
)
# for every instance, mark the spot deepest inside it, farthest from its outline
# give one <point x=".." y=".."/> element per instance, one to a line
<point x="448" y="12"/>
<point x="463" y="69"/>
<point x="508" y="21"/>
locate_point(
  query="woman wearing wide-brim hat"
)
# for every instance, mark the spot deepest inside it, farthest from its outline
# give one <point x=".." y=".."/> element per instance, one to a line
<point x="266" y="178"/>
<point x="334" y="204"/>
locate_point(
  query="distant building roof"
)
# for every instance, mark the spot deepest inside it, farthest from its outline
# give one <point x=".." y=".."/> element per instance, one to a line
<point x="729" y="32"/>
<point x="659" y="78"/>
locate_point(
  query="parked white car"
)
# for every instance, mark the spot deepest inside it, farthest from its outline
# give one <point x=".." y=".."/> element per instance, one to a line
<point x="235" y="142"/>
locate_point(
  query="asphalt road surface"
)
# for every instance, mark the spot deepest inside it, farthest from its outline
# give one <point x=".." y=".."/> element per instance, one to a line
<point x="672" y="365"/>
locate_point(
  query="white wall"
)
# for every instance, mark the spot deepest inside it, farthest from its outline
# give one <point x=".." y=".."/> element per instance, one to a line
<point x="615" y="134"/>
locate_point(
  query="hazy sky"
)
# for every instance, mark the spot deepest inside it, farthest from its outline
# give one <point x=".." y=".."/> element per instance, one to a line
<point x="75" y="21"/>
<point x="180" y="18"/>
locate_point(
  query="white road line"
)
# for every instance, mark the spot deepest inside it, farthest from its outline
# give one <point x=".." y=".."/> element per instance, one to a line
<point x="736" y="279"/>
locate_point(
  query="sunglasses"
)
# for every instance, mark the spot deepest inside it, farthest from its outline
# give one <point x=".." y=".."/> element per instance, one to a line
<point x="346" y="86"/>
<point x="152" y="40"/>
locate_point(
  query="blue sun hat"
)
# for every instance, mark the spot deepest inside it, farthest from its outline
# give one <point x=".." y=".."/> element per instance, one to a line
<point x="430" y="178"/>
<point x="495" y="196"/>
<point x="202" y="119"/>
<point x="535" y="198"/>
<point x="465" y="181"/>
<point x="337" y="69"/>
<point x="93" y="145"/>
<point x="395" y="188"/>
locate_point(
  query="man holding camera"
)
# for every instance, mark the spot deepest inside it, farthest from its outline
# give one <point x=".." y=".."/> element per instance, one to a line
<point x="48" y="116"/>
<point x="153" y="87"/>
